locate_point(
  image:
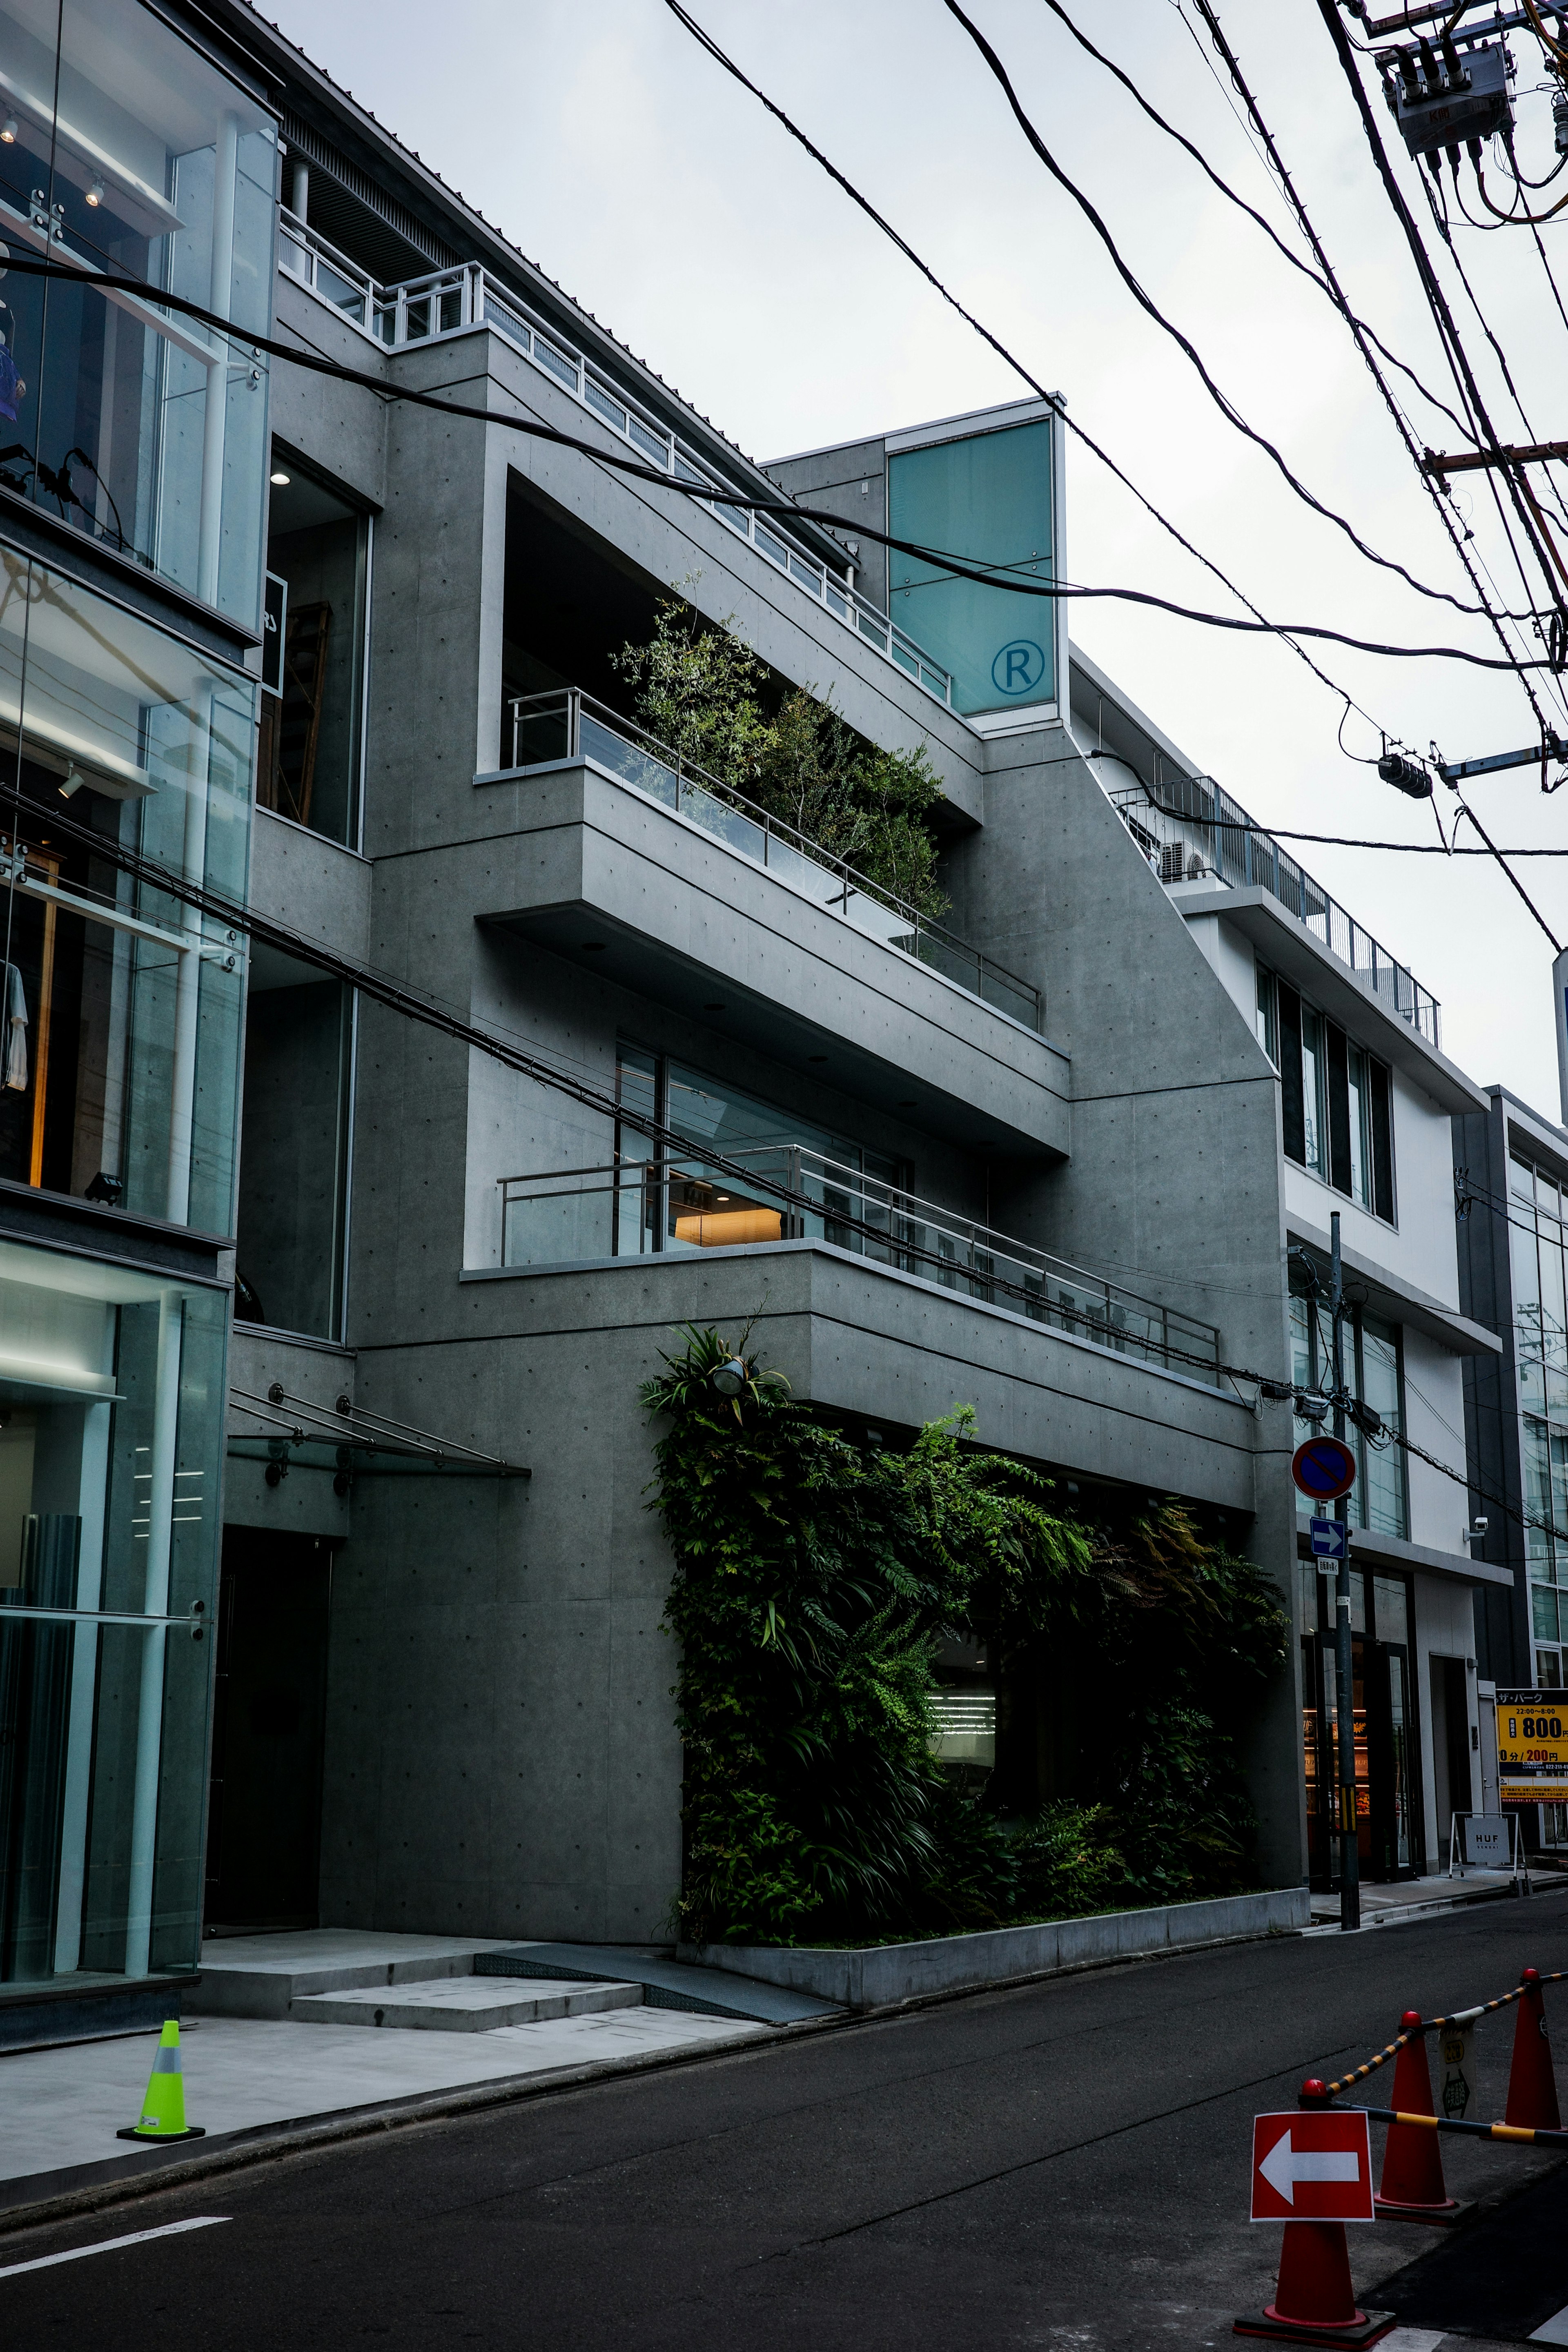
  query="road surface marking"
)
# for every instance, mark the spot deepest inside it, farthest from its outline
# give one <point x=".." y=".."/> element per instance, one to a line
<point x="136" y="2237"/>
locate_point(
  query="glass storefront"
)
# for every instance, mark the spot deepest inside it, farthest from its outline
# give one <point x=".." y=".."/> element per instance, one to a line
<point x="112" y="1403"/>
<point x="1388" y="1839"/>
<point x="125" y="149"/>
<point x="123" y="1007"/>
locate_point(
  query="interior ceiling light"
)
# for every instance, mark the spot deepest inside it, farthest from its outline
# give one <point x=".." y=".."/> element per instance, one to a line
<point x="73" y="783"/>
<point x="280" y="480"/>
<point x="9" y="130"/>
<point x="96" y="194"/>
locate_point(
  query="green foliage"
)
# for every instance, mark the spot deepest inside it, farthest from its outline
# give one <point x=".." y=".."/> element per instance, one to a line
<point x="703" y="692"/>
<point x="814" y="1579"/>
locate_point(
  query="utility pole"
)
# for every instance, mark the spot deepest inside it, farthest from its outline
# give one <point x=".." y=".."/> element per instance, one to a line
<point x="1345" y="1655"/>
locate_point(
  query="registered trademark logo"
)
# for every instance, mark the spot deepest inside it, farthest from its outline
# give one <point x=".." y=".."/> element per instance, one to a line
<point x="1018" y="666"/>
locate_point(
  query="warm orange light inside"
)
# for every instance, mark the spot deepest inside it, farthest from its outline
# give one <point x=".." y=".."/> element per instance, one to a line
<point x="727" y="1228"/>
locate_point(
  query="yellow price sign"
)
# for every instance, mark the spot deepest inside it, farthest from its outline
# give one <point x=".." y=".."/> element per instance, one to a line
<point x="1532" y="1747"/>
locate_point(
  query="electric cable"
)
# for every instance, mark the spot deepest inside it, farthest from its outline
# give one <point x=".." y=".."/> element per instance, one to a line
<point x="1322" y="283"/>
<point x="714" y="493"/>
<point x="720" y="57"/>
<point x="1458" y="359"/>
<point x="1145" y="301"/>
<point x="1440" y="498"/>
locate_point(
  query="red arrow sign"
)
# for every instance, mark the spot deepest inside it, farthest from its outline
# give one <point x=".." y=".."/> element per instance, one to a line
<point x="1311" y="2167"/>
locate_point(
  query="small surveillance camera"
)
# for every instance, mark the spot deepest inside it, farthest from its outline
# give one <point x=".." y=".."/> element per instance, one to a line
<point x="1479" y="1525"/>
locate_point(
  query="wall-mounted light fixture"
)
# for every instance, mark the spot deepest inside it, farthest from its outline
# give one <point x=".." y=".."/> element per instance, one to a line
<point x="279" y="479"/>
<point x="10" y="131"/>
<point x="97" y="193"/>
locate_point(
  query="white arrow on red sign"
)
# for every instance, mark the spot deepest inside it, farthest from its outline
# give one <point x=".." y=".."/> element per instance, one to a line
<point x="1311" y="2167"/>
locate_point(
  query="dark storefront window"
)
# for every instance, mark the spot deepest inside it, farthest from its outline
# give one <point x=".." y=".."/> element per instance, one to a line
<point x="318" y="563"/>
<point x="1374" y="1371"/>
<point x="1387" y="1815"/>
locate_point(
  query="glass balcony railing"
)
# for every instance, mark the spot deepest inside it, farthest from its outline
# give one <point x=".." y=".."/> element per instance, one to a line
<point x="1190" y="828"/>
<point x="570" y="725"/>
<point x="448" y="301"/>
<point x="634" y="1208"/>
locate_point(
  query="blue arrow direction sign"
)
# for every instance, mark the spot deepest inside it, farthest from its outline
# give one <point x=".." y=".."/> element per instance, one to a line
<point x="1330" y="1539"/>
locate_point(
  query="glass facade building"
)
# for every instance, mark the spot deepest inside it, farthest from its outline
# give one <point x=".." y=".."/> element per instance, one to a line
<point x="127" y="741"/>
<point x="1536" y="1213"/>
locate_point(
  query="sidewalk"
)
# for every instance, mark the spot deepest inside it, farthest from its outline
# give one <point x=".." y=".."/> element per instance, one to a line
<point x="248" y="2077"/>
<point x="1415" y="1898"/>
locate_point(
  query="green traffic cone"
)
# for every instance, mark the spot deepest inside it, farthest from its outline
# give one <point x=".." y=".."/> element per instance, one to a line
<point x="163" y="2108"/>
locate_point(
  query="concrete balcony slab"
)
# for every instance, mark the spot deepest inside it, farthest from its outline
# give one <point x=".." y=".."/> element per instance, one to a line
<point x="585" y="865"/>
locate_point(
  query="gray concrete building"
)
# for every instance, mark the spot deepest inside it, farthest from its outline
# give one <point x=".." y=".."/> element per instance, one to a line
<point x="1054" y="1157"/>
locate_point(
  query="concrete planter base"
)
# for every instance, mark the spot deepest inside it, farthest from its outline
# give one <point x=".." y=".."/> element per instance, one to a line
<point x="881" y="1975"/>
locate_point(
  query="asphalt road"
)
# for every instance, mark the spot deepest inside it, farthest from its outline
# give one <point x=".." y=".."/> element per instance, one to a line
<point x="1062" y="2165"/>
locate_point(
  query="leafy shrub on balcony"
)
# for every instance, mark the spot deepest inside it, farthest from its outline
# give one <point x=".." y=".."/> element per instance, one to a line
<point x="813" y="1579"/>
<point x="703" y="692"/>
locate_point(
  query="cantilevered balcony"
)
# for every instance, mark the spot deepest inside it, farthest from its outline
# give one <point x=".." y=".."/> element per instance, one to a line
<point x="602" y="846"/>
<point x="783" y="1192"/>
<point x="454" y="300"/>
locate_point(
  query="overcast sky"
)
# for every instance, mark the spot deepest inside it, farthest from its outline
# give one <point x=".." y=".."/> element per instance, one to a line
<point x="605" y="145"/>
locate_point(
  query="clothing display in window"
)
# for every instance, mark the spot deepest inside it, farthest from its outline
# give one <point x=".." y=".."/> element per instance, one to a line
<point x="16" y="1031"/>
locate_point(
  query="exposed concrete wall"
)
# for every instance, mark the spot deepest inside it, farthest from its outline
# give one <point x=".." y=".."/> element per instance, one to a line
<point x="502" y="1754"/>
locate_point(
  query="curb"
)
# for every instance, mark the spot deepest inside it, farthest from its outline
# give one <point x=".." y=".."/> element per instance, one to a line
<point x="266" y="2143"/>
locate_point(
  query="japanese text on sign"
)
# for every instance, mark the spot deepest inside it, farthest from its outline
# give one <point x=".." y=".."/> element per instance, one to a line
<point x="1532" y="1747"/>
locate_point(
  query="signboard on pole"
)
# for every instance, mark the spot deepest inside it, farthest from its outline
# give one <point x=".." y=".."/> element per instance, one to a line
<point x="1323" y="1469"/>
<point x="1312" y="2167"/>
<point x="1330" y="1539"/>
<point x="1532" y="1747"/>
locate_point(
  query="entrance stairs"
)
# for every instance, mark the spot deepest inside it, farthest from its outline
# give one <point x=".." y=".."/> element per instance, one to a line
<point x="449" y="1984"/>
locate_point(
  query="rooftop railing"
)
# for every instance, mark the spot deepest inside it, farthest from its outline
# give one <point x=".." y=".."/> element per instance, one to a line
<point x="634" y="1208"/>
<point x="446" y="301"/>
<point x="1192" y="809"/>
<point x="570" y="725"/>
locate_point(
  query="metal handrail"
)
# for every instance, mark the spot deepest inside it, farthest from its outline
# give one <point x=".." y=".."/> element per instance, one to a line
<point x="872" y="1218"/>
<point x="1248" y="856"/>
<point x="447" y="301"/>
<point x="693" y="791"/>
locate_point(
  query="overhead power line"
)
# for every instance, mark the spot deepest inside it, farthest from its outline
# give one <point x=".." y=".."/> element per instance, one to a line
<point x="722" y="59"/>
<point x="1146" y="303"/>
<point x="714" y="493"/>
<point x="1337" y="294"/>
<point x="1324" y="282"/>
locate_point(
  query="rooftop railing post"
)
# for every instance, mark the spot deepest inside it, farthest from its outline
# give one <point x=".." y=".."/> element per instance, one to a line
<point x="573" y="723"/>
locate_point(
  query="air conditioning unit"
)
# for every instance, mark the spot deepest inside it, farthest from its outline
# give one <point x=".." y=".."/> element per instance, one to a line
<point x="1174" y="862"/>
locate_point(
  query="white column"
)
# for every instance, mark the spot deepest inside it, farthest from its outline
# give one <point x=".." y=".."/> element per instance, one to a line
<point x="155" y="1602"/>
<point x="1560" y="1022"/>
<point x="220" y="290"/>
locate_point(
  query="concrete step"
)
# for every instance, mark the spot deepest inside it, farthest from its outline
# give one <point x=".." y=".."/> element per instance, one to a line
<point x="264" y="1976"/>
<point x="665" y="1983"/>
<point x="463" y="2004"/>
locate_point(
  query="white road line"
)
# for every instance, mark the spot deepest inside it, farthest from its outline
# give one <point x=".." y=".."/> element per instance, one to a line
<point x="1554" y="2330"/>
<point x="108" y="2245"/>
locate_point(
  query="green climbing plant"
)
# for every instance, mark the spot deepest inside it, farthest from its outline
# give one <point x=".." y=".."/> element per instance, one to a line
<point x="815" y="1579"/>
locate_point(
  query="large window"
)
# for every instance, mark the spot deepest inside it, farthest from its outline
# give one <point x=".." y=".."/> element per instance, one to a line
<point x="989" y="498"/>
<point x="294" y="1159"/>
<point x="1536" y="1215"/>
<point x="123" y="1007"/>
<point x="317" y="562"/>
<point x="123" y="149"/>
<point x="112" y="1403"/>
<point x="1336" y="1098"/>
<point x="1374" y="1373"/>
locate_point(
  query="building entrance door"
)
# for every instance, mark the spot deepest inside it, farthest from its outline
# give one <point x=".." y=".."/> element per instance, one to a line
<point x="1384" y="1731"/>
<point x="264" y="1831"/>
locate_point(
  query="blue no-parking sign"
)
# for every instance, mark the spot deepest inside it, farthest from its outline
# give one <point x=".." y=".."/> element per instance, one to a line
<point x="1323" y="1469"/>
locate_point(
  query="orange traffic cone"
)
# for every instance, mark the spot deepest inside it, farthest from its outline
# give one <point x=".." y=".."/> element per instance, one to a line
<point x="1531" y="2084"/>
<point x="1412" y="2188"/>
<point x="1314" y="2301"/>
